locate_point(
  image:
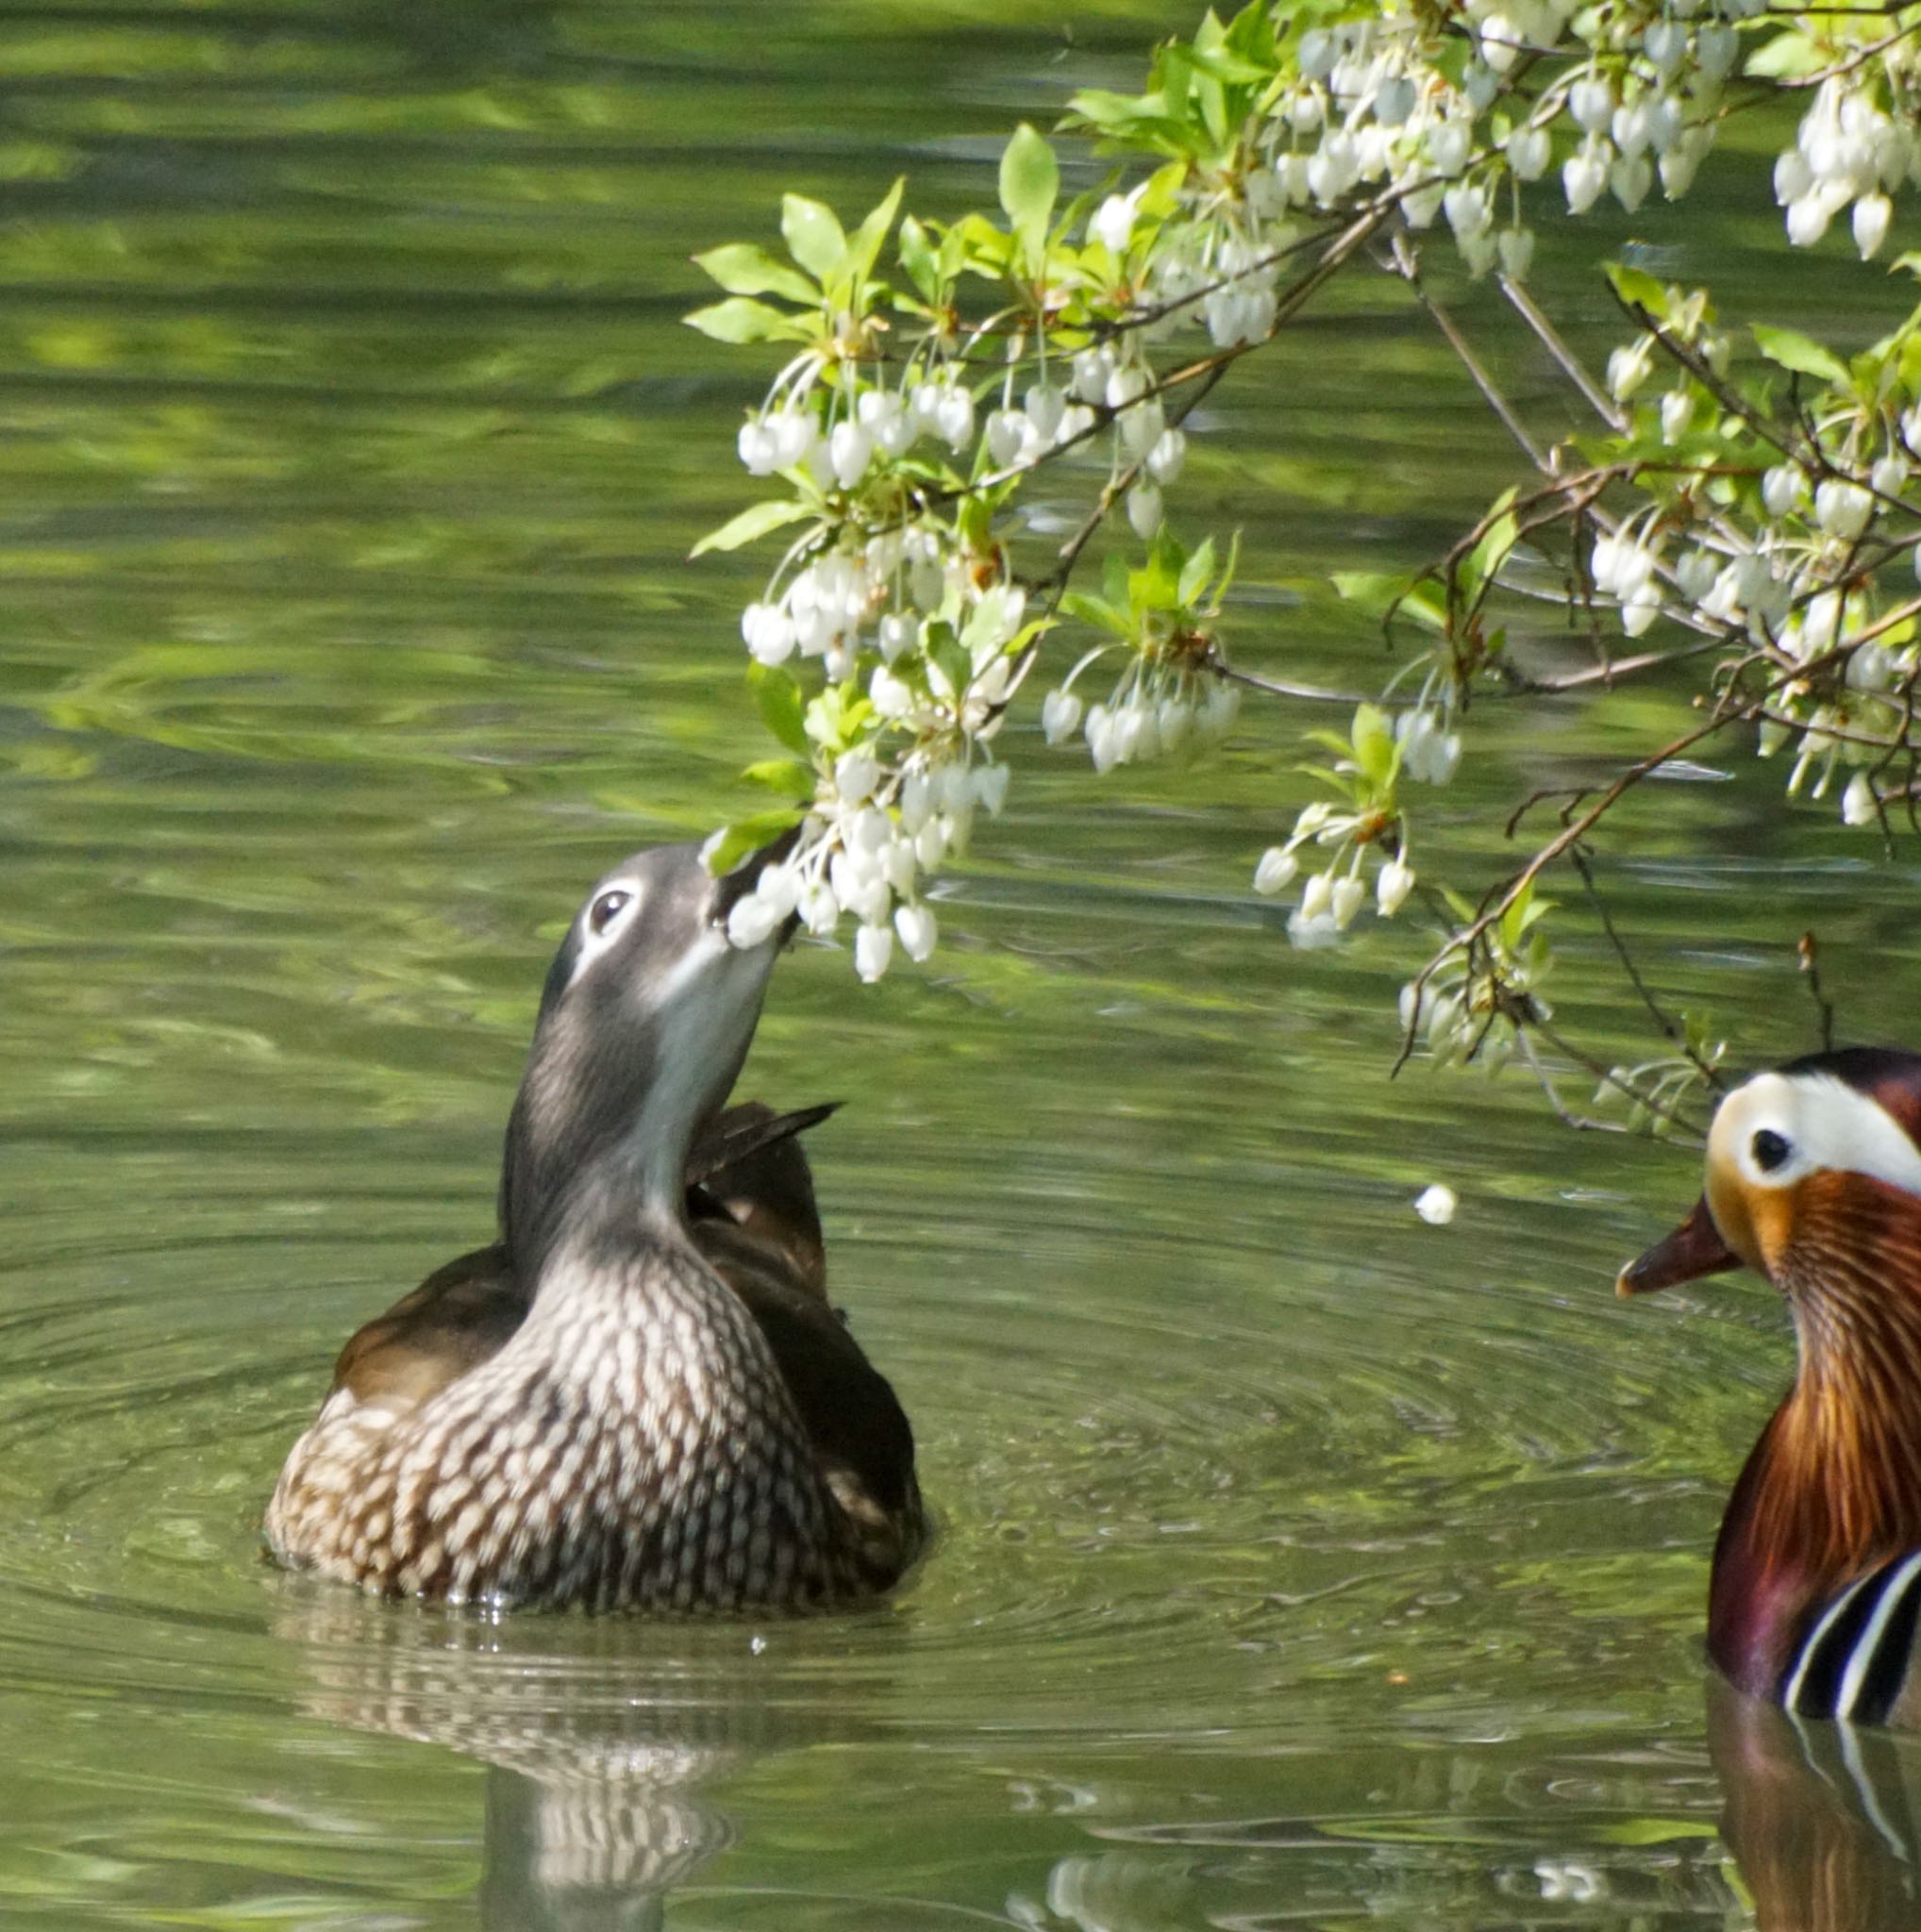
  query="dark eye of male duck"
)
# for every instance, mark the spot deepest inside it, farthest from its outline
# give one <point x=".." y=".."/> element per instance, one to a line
<point x="1814" y="1180"/>
<point x="639" y="1395"/>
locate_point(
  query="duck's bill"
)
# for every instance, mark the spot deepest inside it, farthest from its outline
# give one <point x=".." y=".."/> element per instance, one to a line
<point x="1694" y="1249"/>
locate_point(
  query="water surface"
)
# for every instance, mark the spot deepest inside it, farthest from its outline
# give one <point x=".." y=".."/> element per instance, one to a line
<point x="1301" y="1565"/>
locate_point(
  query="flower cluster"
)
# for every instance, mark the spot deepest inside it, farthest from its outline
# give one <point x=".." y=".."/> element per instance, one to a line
<point x="1804" y="566"/>
<point x="1849" y="149"/>
<point x="1762" y="521"/>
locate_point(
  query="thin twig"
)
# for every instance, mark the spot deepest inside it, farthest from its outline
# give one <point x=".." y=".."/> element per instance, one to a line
<point x="1675" y="1033"/>
<point x="1597" y="398"/>
<point x="1570" y="835"/>
<point x="1811" y="969"/>
<point x="1406" y="266"/>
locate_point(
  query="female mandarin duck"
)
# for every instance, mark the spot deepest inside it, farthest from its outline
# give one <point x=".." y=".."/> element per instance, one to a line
<point x="1814" y="1180"/>
<point x="639" y="1395"/>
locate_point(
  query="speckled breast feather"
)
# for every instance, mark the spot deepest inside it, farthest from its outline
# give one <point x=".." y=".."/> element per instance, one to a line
<point x="632" y="1445"/>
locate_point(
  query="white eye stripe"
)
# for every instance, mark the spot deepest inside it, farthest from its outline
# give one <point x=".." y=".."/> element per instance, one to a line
<point x="614" y="907"/>
<point x="1819" y="1122"/>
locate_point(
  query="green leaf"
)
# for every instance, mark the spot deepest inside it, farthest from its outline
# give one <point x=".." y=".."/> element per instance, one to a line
<point x="864" y="251"/>
<point x="1382" y="596"/>
<point x="918" y="258"/>
<point x="946" y="654"/>
<point x="1096" y="611"/>
<point x="1657" y="1831"/>
<point x="739" y="319"/>
<point x="1786" y="56"/>
<point x="791" y="778"/>
<point x="1029" y="181"/>
<point x="755" y="521"/>
<point x="1195" y="572"/>
<point x="777" y="697"/>
<point x="1638" y="289"/>
<point x="728" y="847"/>
<point x="743" y="268"/>
<point x="1375" y="591"/>
<point x="1374" y="751"/>
<point x="1792" y="350"/>
<point x="982" y="246"/>
<point x="1483" y="562"/>
<point x="814" y="237"/>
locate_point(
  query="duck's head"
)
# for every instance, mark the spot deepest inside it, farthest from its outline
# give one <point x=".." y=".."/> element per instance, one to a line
<point x="647" y="1016"/>
<point x="1812" y="1175"/>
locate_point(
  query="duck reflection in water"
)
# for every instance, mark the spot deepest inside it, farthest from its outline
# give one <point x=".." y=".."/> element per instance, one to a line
<point x="1821" y="1817"/>
<point x="601" y="1734"/>
<point x="639" y="1395"/>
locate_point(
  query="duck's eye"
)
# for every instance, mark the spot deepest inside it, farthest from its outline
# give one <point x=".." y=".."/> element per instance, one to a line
<point x="1770" y="1150"/>
<point x="607" y="909"/>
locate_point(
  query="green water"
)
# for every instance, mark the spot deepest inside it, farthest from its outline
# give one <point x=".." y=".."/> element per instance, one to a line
<point x="1300" y="1565"/>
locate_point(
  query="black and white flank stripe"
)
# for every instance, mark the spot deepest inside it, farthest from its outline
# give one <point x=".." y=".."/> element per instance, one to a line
<point x="1856" y="1657"/>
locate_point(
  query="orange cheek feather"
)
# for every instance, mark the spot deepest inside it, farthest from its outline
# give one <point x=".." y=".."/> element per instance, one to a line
<point x="1771" y="1217"/>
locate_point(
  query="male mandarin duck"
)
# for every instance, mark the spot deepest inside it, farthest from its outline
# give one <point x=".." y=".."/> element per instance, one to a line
<point x="639" y="1395"/>
<point x="1813" y="1178"/>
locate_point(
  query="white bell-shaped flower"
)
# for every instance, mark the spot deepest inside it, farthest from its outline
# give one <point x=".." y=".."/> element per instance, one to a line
<point x="914" y="923"/>
<point x="1275" y="871"/>
<point x="1060" y="716"/>
<point x="873" y="951"/>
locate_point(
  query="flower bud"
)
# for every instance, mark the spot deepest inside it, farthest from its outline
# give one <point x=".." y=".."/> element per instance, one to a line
<point x="1591" y="103"/>
<point x="849" y="450"/>
<point x="1396" y="880"/>
<point x="897" y="631"/>
<point x="914" y="923"/>
<point x="1060" y="716"/>
<point x="794" y="436"/>
<point x="751" y="921"/>
<point x="954" y="417"/>
<point x="769" y="633"/>
<point x="930" y="846"/>
<point x="1436" y="1204"/>
<point x="758" y="449"/>
<point x="1006" y="432"/>
<point x="1781" y="488"/>
<point x="856" y="774"/>
<point x="1842" y="508"/>
<point x="1144" y="508"/>
<point x="1858" y="803"/>
<point x="873" y="951"/>
<point x="1528" y="151"/>
<point x="1275" y="871"/>
<point x="1872" y="214"/>
<point x="1584" y="173"/>
<point x="1045" y="406"/>
<point x="1349" y="897"/>
<point x="1112" y="223"/>
<point x="819" y="910"/>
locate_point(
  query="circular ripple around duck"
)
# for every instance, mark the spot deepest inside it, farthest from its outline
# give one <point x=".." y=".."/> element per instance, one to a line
<point x="1184" y="1483"/>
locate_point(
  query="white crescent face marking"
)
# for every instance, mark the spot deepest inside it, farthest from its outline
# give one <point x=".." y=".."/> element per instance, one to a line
<point x="612" y="908"/>
<point x="1780" y="1128"/>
